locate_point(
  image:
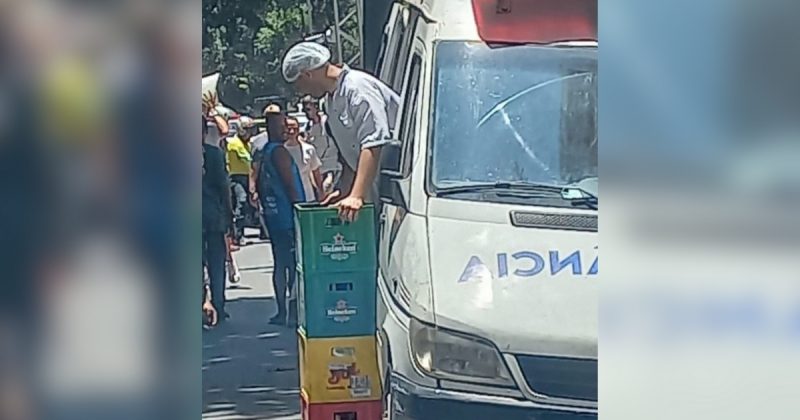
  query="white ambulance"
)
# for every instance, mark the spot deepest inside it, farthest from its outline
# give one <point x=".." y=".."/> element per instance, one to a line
<point x="488" y="293"/>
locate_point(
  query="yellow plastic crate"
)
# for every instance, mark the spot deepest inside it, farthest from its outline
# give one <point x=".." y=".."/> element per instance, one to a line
<point x="337" y="370"/>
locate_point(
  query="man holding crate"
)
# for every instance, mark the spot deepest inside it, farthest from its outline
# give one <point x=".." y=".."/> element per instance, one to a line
<point x="362" y="111"/>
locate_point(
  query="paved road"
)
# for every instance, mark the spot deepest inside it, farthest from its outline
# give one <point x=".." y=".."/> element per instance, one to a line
<point x="249" y="366"/>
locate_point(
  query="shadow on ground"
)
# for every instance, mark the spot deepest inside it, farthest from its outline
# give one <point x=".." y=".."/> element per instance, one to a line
<point x="250" y="367"/>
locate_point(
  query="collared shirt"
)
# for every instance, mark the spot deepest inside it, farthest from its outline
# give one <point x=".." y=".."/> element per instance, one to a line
<point x="362" y="114"/>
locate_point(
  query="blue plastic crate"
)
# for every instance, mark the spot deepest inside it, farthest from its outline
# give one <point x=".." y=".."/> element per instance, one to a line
<point x="337" y="304"/>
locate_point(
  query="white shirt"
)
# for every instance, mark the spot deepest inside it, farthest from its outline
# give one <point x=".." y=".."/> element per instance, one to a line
<point x="213" y="138"/>
<point x="362" y="114"/>
<point x="305" y="157"/>
<point x="327" y="150"/>
<point x="258" y="142"/>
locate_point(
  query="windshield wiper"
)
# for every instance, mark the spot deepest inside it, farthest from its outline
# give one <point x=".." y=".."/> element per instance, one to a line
<point x="579" y="196"/>
<point x="574" y="195"/>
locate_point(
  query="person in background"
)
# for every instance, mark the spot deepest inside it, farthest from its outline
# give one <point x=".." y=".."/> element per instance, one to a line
<point x="217" y="218"/>
<point x="221" y="127"/>
<point x="361" y="110"/>
<point x="279" y="188"/>
<point x="326" y="149"/>
<point x="259" y="140"/>
<point x="305" y="157"/>
<point x="302" y="136"/>
<point x="239" y="166"/>
<point x="257" y="144"/>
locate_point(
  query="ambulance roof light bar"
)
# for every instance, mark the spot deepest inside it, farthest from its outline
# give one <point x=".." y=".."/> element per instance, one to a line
<point x="535" y="21"/>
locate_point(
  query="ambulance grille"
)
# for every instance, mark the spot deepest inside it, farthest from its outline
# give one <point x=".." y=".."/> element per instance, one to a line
<point x="579" y="222"/>
<point x="560" y="377"/>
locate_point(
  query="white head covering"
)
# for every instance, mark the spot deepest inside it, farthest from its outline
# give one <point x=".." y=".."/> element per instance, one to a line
<point x="246" y="122"/>
<point x="304" y="56"/>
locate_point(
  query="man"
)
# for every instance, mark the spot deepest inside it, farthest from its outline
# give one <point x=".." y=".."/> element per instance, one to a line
<point x="210" y="103"/>
<point x="239" y="166"/>
<point x="279" y="188"/>
<point x="361" y="110"/>
<point x="217" y="216"/>
<point x="305" y="157"/>
<point x="326" y="149"/>
<point x="257" y="144"/>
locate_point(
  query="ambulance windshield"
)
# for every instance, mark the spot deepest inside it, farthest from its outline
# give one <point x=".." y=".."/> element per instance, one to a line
<point x="514" y="114"/>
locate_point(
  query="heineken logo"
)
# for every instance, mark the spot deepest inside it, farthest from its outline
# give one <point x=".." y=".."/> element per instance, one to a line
<point x="340" y="249"/>
<point x="342" y="311"/>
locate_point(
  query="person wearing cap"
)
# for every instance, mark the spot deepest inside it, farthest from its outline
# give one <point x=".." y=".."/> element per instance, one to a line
<point x="257" y="144"/>
<point x="260" y="139"/>
<point x="280" y="187"/>
<point x="271" y="112"/>
<point x="361" y="113"/>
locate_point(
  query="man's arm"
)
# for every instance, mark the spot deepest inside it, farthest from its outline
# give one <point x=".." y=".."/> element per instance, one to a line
<point x="373" y="132"/>
<point x="210" y="102"/>
<point x="368" y="161"/>
<point x="283" y="161"/>
<point x="222" y="125"/>
<point x="369" y="109"/>
<point x="316" y="177"/>
<point x="255" y="170"/>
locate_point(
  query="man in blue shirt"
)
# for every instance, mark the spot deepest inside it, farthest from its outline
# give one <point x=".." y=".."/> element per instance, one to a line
<point x="279" y="188"/>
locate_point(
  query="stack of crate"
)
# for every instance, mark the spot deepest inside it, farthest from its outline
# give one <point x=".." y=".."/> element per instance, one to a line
<point x="336" y="295"/>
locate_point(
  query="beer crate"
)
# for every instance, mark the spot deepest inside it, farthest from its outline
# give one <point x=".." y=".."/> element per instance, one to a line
<point x="339" y="370"/>
<point x="340" y="304"/>
<point x="326" y="244"/>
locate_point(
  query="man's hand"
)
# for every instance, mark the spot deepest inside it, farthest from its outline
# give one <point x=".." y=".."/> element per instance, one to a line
<point x="327" y="183"/>
<point x="210" y="313"/>
<point x="349" y="207"/>
<point x="210" y="103"/>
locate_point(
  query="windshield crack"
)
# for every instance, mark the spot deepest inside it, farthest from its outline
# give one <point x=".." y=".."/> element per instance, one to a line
<point x="500" y="106"/>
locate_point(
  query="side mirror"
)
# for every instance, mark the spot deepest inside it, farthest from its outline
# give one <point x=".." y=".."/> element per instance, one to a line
<point x="390" y="157"/>
<point x="389" y="188"/>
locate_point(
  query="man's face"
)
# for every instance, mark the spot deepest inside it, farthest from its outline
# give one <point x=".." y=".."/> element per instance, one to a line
<point x="292" y="129"/>
<point x="311" y="83"/>
<point x="276" y="127"/>
<point x="248" y="133"/>
<point x="311" y="111"/>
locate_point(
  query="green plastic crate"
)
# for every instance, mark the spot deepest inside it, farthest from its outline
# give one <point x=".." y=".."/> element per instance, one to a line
<point x="337" y="304"/>
<point x="325" y="244"/>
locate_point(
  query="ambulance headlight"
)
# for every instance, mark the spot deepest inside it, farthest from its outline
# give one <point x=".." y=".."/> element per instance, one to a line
<point x="458" y="357"/>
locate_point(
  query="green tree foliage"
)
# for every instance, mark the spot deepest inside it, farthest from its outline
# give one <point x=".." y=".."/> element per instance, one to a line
<point x="245" y="41"/>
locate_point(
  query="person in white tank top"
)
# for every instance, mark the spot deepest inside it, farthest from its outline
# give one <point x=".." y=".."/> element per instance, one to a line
<point x="306" y="159"/>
